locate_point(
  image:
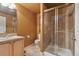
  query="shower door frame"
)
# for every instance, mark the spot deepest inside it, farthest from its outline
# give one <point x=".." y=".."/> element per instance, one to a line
<point x="42" y="26"/>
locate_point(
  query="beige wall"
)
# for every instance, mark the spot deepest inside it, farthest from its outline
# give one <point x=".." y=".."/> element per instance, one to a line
<point x="26" y="24"/>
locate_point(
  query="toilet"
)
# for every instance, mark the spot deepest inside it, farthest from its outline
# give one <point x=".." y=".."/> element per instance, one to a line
<point x="33" y="49"/>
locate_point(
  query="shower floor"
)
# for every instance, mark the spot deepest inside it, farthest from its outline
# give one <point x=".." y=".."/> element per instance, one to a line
<point x="59" y="51"/>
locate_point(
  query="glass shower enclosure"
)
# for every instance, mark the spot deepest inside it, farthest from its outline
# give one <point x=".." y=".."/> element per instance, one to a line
<point x="58" y="30"/>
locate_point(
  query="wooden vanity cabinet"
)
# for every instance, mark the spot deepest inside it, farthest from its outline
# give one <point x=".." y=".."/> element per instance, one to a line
<point x="19" y="48"/>
<point x="12" y="48"/>
<point x="5" y="49"/>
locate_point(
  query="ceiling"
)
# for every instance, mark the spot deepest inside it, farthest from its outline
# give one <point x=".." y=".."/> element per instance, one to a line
<point x="50" y="5"/>
<point x="34" y="7"/>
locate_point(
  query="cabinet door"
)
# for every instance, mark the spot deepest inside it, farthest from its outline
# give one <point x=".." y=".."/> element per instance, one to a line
<point x="5" y="49"/>
<point x="19" y="48"/>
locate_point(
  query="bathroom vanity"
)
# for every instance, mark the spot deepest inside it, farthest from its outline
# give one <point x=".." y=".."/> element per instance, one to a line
<point x="10" y="43"/>
<point x="12" y="46"/>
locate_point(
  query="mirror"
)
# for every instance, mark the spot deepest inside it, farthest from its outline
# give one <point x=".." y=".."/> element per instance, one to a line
<point x="7" y="19"/>
<point x="2" y="24"/>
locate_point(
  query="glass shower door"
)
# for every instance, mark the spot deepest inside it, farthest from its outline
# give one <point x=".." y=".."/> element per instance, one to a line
<point x="50" y="31"/>
<point x="63" y="39"/>
<point x="48" y="28"/>
<point x="59" y="30"/>
<point x="66" y="30"/>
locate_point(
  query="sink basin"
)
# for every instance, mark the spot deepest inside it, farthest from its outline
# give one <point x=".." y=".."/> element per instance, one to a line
<point x="7" y="36"/>
<point x="11" y="36"/>
<point x="3" y="35"/>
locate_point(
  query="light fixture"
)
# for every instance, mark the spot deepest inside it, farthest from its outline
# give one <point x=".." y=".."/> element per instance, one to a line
<point x="9" y="5"/>
<point x="5" y="4"/>
<point x="12" y="6"/>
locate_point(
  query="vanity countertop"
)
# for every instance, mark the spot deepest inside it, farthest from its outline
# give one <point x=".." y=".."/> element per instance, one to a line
<point x="11" y="38"/>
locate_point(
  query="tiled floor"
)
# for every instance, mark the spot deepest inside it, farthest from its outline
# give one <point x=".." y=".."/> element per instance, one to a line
<point x="32" y="50"/>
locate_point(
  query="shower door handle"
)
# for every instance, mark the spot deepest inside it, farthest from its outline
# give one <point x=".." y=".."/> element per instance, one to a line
<point x="74" y="39"/>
